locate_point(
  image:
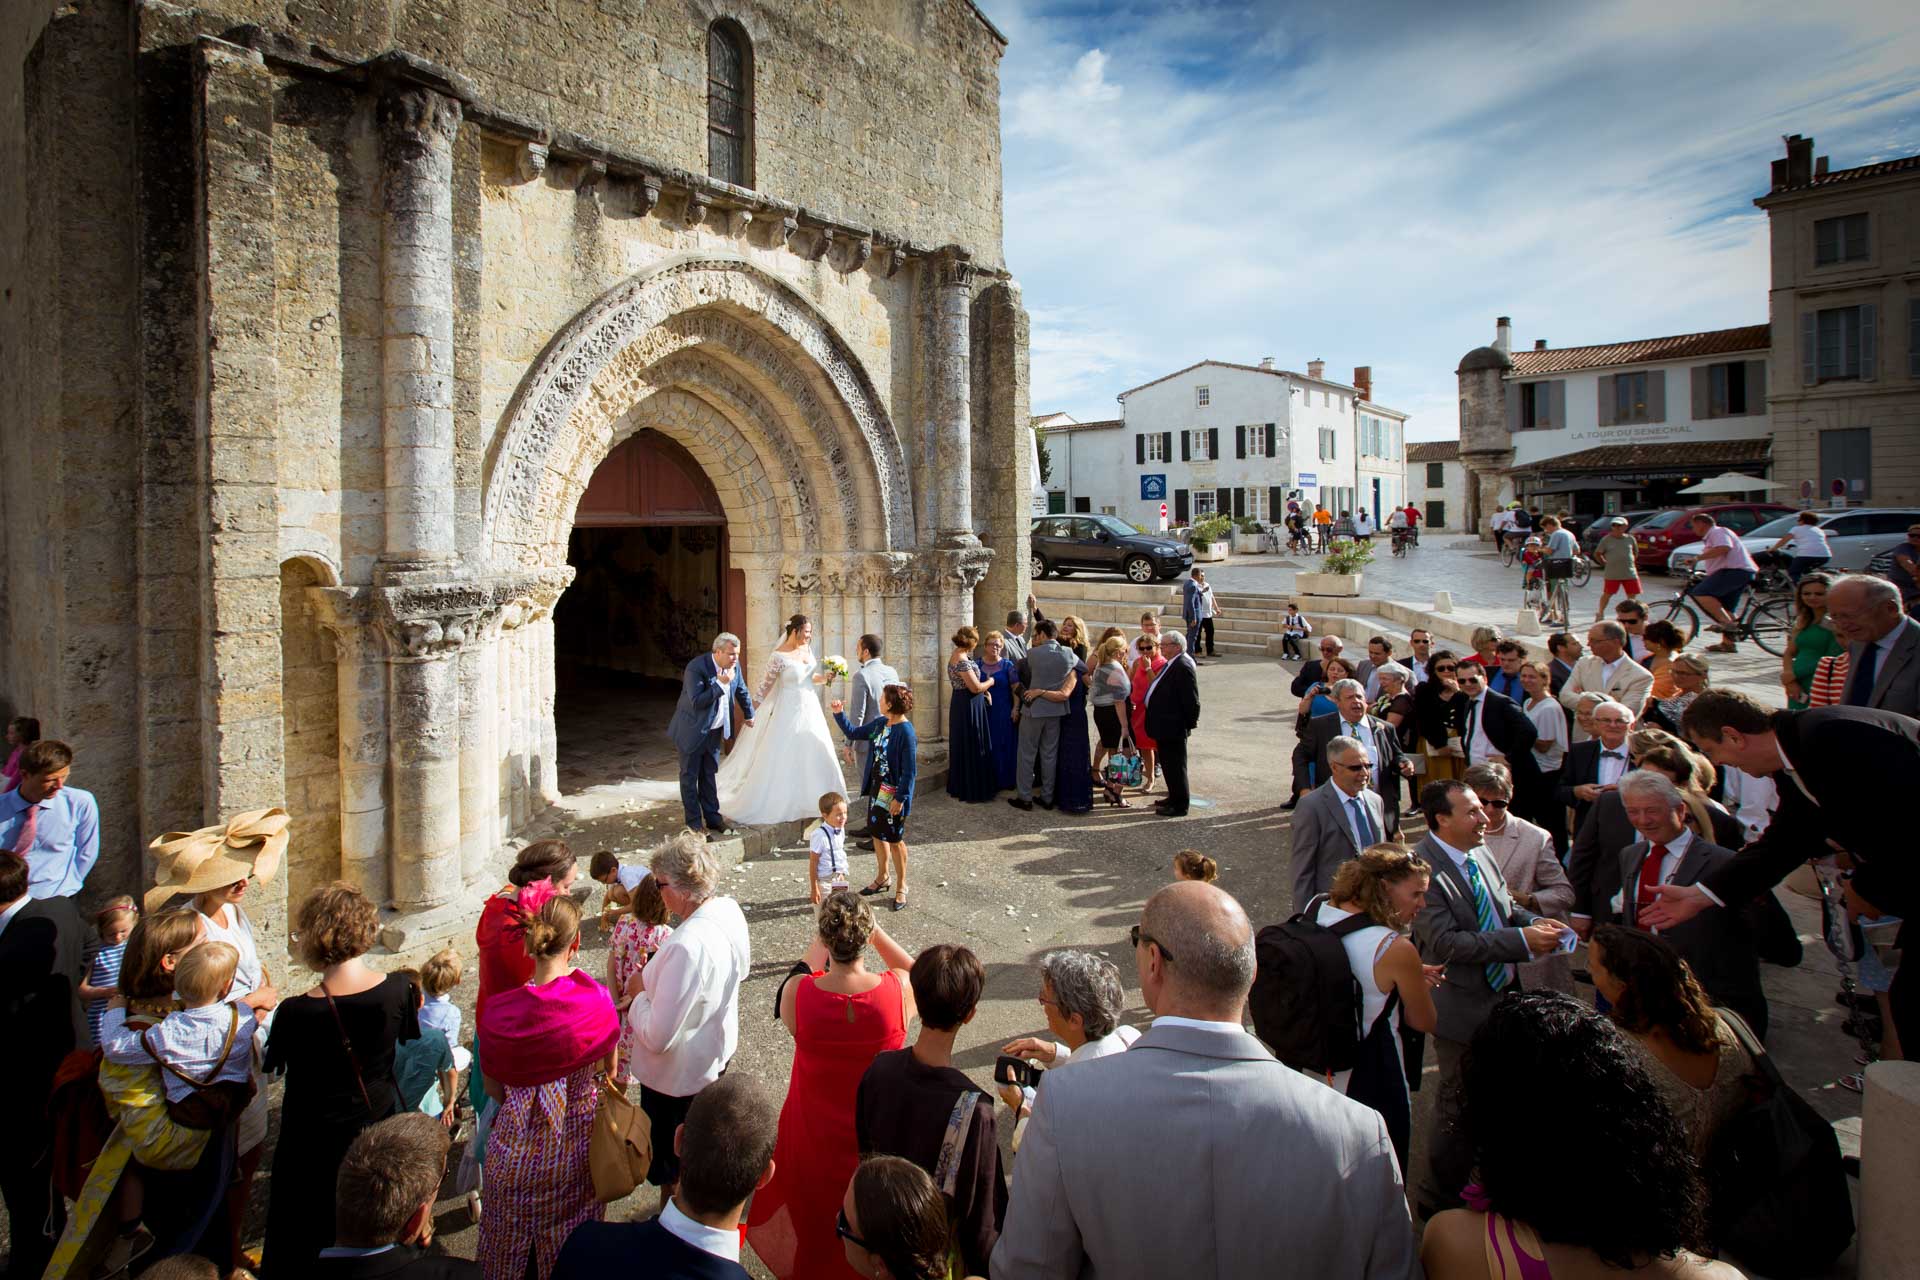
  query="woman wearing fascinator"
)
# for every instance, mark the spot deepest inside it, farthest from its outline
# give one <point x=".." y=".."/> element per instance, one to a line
<point x="779" y="771"/>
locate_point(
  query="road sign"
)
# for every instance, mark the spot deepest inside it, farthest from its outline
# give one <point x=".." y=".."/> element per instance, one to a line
<point x="1163" y="517"/>
<point x="1153" y="488"/>
<point x="1309" y="480"/>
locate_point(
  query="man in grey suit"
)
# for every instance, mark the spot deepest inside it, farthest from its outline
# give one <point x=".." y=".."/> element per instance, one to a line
<point x="1195" y="1153"/>
<point x="863" y="704"/>
<point x="1883" y="644"/>
<point x="710" y="688"/>
<point x="1350" y="719"/>
<point x="1014" y="639"/>
<point x="1472" y="925"/>
<point x="1717" y="945"/>
<point x="1337" y="821"/>
<point x="1044" y="670"/>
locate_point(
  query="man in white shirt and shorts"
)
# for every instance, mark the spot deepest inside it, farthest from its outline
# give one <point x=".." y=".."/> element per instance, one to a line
<point x="1730" y="570"/>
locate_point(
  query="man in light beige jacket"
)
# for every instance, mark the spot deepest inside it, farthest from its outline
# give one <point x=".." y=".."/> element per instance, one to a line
<point x="1606" y="669"/>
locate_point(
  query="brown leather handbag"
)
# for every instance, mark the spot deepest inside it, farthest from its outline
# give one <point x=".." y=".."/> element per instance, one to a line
<point x="621" y="1149"/>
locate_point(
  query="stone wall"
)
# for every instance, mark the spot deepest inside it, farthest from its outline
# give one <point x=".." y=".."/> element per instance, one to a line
<point x="317" y="335"/>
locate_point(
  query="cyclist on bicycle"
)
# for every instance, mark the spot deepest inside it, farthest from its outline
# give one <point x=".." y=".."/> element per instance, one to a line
<point x="1729" y="568"/>
<point x="1560" y="547"/>
<point x="1397" y="527"/>
<point x="1503" y="529"/>
<point x="1413" y="523"/>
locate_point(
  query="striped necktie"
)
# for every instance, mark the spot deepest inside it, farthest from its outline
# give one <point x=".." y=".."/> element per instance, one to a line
<point x="1498" y="975"/>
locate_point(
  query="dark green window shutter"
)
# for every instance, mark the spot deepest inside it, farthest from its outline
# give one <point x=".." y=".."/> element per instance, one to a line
<point x="1186" y="446"/>
<point x="1222" y="498"/>
<point x="1559" y="401"/>
<point x="1276" y="503"/>
<point x="1239" y="503"/>
<point x="1606" y="399"/>
<point x="1140" y="450"/>
<point x="1180" y="501"/>
<point x="1809" y="348"/>
<point x="1166" y="445"/>
<point x="1213" y="443"/>
<point x="1702" y="392"/>
<point x="1271" y="433"/>
<point x="1240" y="440"/>
<point x="1868" y="337"/>
<point x="1513" y="408"/>
<point x="1656" y="395"/>
<point x="1757" y="386"/>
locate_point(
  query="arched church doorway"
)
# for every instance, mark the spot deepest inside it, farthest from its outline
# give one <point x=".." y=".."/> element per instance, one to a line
<point x="653" y="583"/>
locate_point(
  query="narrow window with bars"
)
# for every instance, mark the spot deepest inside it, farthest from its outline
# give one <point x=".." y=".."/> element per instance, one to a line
<point x="729" y="105"/>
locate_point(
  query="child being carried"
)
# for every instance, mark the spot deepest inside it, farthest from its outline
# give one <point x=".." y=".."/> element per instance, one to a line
<point x="201" y="1048"/>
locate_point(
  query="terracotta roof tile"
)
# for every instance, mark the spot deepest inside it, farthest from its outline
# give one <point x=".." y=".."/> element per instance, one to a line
<point x="1671" y="453"/>
<point x="1905" y="164"/>
<point x="1434" y="451"/>
<point x="1753" y="337"/>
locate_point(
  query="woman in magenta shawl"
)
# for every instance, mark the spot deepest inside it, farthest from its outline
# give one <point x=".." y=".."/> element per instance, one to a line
<point x="542" y="1045"/>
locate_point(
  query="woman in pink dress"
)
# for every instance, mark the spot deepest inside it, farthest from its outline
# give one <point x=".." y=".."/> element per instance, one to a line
<point x="1146" y="665"/>
<point x="840" y="1016"/>
<point x="542" y="1044"/>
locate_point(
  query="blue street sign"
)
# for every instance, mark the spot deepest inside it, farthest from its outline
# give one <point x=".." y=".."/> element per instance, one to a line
<point x="1153" y="488"/>
<point x="1309" y="480"/>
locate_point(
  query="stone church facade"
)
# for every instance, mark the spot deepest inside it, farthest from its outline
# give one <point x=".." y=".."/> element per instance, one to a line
<point x="321" y="320"/>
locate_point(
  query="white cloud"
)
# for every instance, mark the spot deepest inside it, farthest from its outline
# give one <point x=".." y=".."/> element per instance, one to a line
<point x="1373" y="183"/>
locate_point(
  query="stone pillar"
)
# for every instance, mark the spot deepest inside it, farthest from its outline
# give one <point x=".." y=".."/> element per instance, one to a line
<point x="362" y="696"/>
<point x="1002" y="470"/>
<point x="948" y="443"/>
<point x="545" y="772"/>
<point x="1889" y="1236"/>
<point x="423" y="752"/>
<point x="417" y="127"/>
<point x="479" y="771"/>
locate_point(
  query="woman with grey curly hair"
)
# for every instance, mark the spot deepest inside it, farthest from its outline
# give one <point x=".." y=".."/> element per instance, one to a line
<point x="1083" y="998"/>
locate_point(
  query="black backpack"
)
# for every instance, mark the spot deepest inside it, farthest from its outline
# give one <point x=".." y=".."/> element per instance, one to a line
<point x="1305" y="1002"/>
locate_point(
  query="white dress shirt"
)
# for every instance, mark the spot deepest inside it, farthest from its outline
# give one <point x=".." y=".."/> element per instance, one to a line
<point x="1205" y="1024"/>
<point x="713" y="1240"/>
<point x="1612" y="765"/>
<point x="1676" y="850"/>
<point x="1460" y="859"/>
<point x="1479" y="746"/>
<point x="1752" y="799"/>
<point x="723" y="704"/>
<point x="686" y="1024"/>
<point x="1608" y="668"/>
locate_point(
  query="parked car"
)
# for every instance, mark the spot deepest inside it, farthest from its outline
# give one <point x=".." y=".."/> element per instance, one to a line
<point x="1596" y="529"/>
<point x="1856" y="535"/>
<point x="1104" y="544"/>
<point x="1661" y="534"/>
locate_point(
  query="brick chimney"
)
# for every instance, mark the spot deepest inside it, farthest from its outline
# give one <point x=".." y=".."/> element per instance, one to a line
<point x="1363" y="380"/>
<point x="1316" y="368"/>
<point x="1266" y="362"/>
<point x="1539" y="344"/>
<point x="1797" y="169"/>
<point x="1503" y="335"/>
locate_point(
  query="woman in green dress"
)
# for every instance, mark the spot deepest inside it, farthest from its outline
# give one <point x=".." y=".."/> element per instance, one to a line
<point x="1812" y="639"/>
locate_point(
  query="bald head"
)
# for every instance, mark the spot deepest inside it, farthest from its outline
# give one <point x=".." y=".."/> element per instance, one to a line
<point x="1207" y="945"/>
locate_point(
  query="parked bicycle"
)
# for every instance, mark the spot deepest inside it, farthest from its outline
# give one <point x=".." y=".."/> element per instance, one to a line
<point x="1765" y="619"/>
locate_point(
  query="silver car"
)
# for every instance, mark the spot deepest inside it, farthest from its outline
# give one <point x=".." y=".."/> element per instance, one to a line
<point x="1855" y="535"/>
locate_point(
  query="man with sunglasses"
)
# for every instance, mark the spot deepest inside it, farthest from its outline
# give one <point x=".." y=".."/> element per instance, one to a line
<point x="1338" y="820"/>
<point x="1103" y="1190"/>
<point x="1499" y="731"/>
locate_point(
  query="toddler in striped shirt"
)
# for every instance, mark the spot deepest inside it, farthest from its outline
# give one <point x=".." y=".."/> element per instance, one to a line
<point x="115" y="923"/>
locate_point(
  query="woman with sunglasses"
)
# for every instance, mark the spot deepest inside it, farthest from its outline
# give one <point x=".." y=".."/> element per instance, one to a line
<point x="1146" y="665"/>
<point x="893" y="1222"/>
<point x="1440" y="712"/>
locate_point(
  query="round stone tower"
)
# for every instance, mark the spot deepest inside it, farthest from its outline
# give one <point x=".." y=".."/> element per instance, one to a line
<point x="1486" y="440"/>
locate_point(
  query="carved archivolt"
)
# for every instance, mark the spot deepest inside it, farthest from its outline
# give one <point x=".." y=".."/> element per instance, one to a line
<point x="775" y="343"/>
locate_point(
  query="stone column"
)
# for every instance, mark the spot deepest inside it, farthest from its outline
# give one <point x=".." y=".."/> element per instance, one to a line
<point x="949" y="436"/>
<point x="362" y="692"/>
<point x="479" y="769"/>
<point x="423" y="709"/>
<point x="417" y="127"/>
<point x="1889" y="1176"/>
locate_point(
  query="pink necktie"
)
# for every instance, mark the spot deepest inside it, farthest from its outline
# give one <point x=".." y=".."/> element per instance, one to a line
<point x="24" y="844"/>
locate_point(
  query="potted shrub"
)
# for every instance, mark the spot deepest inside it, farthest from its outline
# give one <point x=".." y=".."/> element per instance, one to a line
<point x="1339" y="570"/>
<point x="1210" y="539"/>
<point x="1246" y="536"/>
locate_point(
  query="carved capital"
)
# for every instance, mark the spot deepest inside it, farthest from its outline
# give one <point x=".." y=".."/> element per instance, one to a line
<point x="699" y="204"/>
<point x="788" y="226"/>
<point x="646" y="194"/>
<point x="956" y="268"/>
<point x="820" y="245"/>
<point x="417" y="120"/>
<point x="862" y="252"/>
<point x="738" y="220"/>
<point x="896" y="254"/>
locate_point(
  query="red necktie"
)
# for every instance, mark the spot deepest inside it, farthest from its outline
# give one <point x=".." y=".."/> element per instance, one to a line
<point x="1649" y="879"/>
<point x="24" y="844"/>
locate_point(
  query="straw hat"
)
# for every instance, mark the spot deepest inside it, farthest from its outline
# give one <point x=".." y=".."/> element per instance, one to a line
<point x="191" y="862"/>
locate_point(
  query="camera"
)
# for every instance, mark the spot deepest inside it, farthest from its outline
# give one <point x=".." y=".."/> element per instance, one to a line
<point x="1008" y="1069"/>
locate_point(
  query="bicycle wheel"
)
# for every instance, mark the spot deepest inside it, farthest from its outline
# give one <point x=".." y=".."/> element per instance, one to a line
<point x="1769" y="622"/>
<point x="1582" y="571"/>
<point x="1557" y="602"/>
<point x="1679" y="613"/>
<point x="1507" y="550"/>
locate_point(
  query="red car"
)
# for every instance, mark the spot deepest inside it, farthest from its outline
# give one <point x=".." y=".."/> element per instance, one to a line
<point x="1660" y="534"/>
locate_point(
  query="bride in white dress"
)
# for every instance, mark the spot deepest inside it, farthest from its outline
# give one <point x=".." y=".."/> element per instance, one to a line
<point x="779" y="769"/>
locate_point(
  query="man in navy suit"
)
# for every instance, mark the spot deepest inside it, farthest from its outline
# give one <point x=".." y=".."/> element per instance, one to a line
<point x="726" y="1154"/>
<point x="709" y="689"/>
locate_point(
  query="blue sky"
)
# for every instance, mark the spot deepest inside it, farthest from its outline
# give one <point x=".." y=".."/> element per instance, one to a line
<point x="1373" y="182"/>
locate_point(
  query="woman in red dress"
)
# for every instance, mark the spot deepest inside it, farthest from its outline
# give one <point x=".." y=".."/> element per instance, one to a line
<point x="840" y="1016"/>
<point x="543" y="869"/>
<point x="1146" y="665"/>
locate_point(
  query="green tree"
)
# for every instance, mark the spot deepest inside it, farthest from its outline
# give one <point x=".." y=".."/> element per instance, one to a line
<point x="1046" y="455"/>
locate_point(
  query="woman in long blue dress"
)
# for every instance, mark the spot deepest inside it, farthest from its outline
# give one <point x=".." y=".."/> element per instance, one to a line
<point x="1073" y="792"/>
<point x="970" y="770"/>
<point x="1005" y="738"/>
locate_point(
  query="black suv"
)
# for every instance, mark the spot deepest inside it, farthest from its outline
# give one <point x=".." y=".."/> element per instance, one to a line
<point x="1104" y="544"/>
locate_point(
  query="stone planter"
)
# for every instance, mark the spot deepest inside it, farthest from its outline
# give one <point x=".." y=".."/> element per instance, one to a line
<point x="1215" y="551"/>
<point x="1246" y="543"/>
<point x="1327" y="584"/>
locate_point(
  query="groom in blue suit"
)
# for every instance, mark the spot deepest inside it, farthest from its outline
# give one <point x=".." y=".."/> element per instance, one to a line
<point x="704" y="717"/>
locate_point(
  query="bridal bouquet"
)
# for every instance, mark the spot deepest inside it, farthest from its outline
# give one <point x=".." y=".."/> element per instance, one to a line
<point x="835" y="666"/>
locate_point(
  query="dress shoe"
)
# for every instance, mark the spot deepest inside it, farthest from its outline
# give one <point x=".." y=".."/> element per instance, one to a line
<point x="864" y="844"/>
<point x="1044" y="804"/>
<point x="720" y="828"/>
<point x="1170" y="813"/>
<point x="1019" y="803"/>
<point x="862" y="834"/>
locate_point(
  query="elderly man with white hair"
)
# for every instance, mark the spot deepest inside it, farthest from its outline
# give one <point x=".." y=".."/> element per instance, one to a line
<point x="1351" y="718"/>
<point x="1173" y="709"/>
<point x="1338" y="820"/>
<point x="1883" y="644"/>
<point x="1593" y="767"/>
<point x="710" y="688"/>
<point x="685" y="1014"/>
